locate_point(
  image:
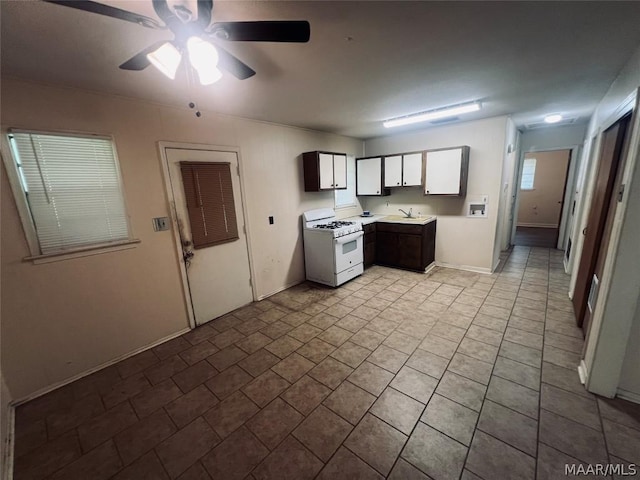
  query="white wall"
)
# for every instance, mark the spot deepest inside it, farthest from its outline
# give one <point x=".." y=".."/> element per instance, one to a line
<point x="615" y="319"/>
<point x="508" y="189"/>
<point x="61" y="319"/>
<point x="630" y="375"/>
<point x="460" y="241"/>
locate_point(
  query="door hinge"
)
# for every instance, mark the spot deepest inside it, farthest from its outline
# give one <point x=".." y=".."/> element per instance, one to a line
<point x="621" y="193"/>
<point x="250" y="283"/>
<point x="238" y="169"/>
<point x="244" y="229"/>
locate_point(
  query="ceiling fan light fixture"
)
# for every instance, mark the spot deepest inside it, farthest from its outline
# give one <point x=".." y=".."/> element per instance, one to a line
<point x="434" y="114"/>
<point x="166" y="59"/>
<point x="203" y="56"/>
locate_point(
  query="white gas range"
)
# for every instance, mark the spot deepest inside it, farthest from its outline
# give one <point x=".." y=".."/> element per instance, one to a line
<point x="332" y="248"/>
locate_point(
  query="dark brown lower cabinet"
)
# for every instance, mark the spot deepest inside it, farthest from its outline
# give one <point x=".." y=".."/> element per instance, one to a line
<point x="369" y="244"/>
<point x="405" y="246"/>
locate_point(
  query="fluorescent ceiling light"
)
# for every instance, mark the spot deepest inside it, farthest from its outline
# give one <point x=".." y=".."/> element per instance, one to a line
<point x="433" y="114"/>
<point x="204" y="58"/>
<point x="166" y="59"/>
<point x="555" y="118"/>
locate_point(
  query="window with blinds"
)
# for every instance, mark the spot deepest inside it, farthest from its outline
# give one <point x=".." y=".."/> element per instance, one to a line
<point x="528" y="174"/>
<point x="208" y="192"/>
<point x="73" y="190"/>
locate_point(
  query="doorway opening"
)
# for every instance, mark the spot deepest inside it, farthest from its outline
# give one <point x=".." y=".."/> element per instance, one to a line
<point x="542" y="185"/>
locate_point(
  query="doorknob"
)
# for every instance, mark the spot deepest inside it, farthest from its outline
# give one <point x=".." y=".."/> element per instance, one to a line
<point x="584" y="231"/>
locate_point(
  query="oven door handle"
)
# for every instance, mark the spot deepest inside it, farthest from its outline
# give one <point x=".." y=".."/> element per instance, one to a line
<point x="349" y="238"/>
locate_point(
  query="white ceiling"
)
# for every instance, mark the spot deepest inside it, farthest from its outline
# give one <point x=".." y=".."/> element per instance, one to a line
<point x="365" y="62"/>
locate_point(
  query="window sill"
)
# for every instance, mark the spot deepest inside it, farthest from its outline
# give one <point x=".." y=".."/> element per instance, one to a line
<point x="83" y="252"/>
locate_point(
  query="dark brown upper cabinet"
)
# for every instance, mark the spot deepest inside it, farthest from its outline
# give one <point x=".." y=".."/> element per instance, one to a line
<point x="324" y="171"/>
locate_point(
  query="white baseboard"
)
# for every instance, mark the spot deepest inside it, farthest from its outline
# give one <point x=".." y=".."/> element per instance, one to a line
<point x="467" y="268"/>
<point x="67" y="381"/>
<point x="282" y="289"/>
<point x="583" y="372"/>
<point x="537" y="225"/>
<point x="627" y="395"/>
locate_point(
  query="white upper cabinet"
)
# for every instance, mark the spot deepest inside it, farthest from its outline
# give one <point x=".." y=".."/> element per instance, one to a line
<point x="412" y="169"/>
<point x="393" y="171"/>
<point x="446" y="171"/>
<point x="403" y="170"/>
<point x="325" y="162"/>
<point x="340" y="171"/>
<point x="324" y="171"/>
<point x="369" y="177"/>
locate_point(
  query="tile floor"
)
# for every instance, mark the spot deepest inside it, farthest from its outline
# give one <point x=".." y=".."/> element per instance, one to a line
<point x="400" y="375"/>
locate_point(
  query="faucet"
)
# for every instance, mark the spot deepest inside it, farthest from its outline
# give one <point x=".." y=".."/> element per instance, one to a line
<point x="408" y="215"/>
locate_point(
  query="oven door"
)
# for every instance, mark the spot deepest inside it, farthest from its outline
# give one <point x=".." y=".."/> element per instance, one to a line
<point x="348" y="251"/>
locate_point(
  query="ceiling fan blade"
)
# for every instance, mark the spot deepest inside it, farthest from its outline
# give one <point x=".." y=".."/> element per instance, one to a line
<point x="263" y="31"/>
<point x="233" y="65"/>
<point x="102" y="9"/>
<point x="140" y="61"/>
<point x="204" y="13"/>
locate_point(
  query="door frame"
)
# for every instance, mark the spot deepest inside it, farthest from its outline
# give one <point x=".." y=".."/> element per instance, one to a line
<point x="603" y="358"/>
<point x="569" y="187"/>
<point x="162" y="147"/>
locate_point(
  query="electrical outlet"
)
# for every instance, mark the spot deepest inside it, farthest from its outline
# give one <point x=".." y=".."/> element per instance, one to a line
<point x="160" y="224"/>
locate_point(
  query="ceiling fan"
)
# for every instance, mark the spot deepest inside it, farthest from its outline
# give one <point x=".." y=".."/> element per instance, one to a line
<point x="192" y="34"/>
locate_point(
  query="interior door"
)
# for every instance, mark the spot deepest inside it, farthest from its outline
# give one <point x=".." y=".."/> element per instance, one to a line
<point x="602" y="207"/>
<point x="218" y="275"/>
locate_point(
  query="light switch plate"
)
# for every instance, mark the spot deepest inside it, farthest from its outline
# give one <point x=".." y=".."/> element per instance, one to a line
<point x="160" y="224"/>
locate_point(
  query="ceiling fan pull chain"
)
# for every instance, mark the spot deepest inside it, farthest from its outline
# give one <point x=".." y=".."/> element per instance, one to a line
<point x="191" y="89"/>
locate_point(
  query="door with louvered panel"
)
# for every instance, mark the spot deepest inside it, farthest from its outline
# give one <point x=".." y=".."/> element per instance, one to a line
<point x="208" y="212"/>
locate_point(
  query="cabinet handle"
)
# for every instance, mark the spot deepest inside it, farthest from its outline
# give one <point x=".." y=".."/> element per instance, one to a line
<point x="377" y="191"/>
<point x="405" y="183"/>
<point x="427" y="191"/>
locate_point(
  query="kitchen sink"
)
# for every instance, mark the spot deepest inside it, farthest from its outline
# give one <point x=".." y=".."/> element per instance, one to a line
<point x="403" y="219"/>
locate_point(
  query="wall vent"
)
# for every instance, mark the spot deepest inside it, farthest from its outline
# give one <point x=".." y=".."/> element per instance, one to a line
<point x="535" y="126"/>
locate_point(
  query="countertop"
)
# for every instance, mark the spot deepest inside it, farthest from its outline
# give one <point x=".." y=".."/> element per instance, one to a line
<point x="423" y="220"/>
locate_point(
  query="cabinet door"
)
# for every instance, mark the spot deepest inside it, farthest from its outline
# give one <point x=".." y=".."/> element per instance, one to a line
<point x="369" y="176"/>
<point x="325" y="165"/>
<point x="393" y="171"/>
<point x="340" y="171"/>
<point x="387" y="248"/>
<point x="410" y="251"/>
<point x="443" y="170"/>
<point x="412" y="169"/>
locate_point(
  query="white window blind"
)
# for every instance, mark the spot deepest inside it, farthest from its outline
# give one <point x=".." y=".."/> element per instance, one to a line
<point x="528" y="174"/>
<point x="347" y="198"/>
<point x="73" y="190"/>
